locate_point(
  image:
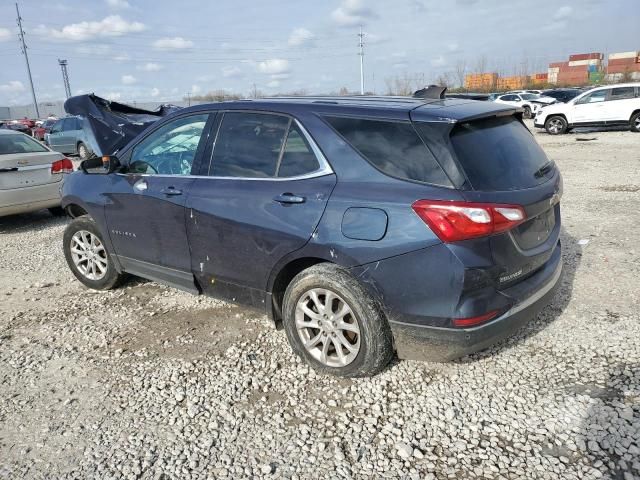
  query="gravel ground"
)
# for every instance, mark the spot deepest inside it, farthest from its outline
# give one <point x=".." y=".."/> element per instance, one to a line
<point x="149" y="382"/>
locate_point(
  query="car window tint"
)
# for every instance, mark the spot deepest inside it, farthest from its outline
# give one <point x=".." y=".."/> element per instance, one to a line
<point x="393" y="147"/>
<point x="248" y="145"/>
<point x="19" y="144"/>
<point x="171" y="149"/>
<point x="298" y="157"/>
<point x="621" y="93"/>
<point x="66" y="125"/>
<point x="595" y="97"/>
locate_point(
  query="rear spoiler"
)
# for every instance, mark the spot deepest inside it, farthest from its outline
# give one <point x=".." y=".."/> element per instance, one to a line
<point x="108" y="125"/>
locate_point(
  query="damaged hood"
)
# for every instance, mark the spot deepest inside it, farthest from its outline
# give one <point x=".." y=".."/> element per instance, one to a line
<point x="108" y="125"/>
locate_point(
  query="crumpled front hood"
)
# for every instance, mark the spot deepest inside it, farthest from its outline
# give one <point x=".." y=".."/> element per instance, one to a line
<point x="108" y="125"/>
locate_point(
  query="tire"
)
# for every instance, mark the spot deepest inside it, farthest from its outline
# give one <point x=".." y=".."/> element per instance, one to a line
<point x="555" y="125"/>
<point x="369" y="350"/>
<point x="57" y="211"/>
<point x="104" y="275"/>
<point x="83" y="151"/>
<point x="634" y="123"/>
<point x="527" y="113"/>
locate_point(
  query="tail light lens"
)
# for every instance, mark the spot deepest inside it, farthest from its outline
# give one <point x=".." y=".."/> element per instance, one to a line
<point x="473" y="321"/>
<point x="62" y="166"/>
<point x="453" y="221"/>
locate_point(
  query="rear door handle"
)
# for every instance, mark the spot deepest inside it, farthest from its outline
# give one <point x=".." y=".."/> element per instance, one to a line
<point x="171" y="191"/>
<point x="289" y="198"/>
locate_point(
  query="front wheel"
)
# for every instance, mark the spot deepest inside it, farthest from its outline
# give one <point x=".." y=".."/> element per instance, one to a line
<point x="635" y="123"/>
<point x="527" y="112"/>
<point x="334" y="324"/>
<point x="87" y="255"/>
<point x="83" y="151"/>
<point x="555" y="125"/>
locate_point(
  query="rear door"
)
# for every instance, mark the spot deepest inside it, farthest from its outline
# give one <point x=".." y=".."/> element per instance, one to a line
<point x="620" y="104"/>
<point x="264" y="193"/>
<point x="145" y="212"/>
<point x="24" y="162"/>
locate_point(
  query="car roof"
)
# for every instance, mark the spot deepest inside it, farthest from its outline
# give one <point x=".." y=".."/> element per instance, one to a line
<point x="6" y="131"/>
<point x="369" y="105"/>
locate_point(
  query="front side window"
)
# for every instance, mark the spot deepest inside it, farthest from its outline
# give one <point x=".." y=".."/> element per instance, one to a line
<point x="171" y="149"/>
<point x="392" y="147"/>
<point x="594" y="97"/>
<point x="622" y="93"/>
<point x="19" y="144"/>
<point x="261" y="145"/>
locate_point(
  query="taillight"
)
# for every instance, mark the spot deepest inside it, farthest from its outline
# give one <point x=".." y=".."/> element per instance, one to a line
<point x="62" y="166"/>
<point x="453" y="221"/>
<point x="472" y="321"/>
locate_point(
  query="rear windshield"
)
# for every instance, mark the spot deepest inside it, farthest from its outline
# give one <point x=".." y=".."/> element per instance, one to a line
<point x="392" y="147"/>
<point x="499" y="153"/>
<point x="19" y="144"/>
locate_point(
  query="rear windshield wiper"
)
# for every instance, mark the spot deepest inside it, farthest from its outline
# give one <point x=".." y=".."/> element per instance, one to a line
<point x="543" y="170"/>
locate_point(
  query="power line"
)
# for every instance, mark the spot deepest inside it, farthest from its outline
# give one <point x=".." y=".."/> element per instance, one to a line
<point x="65" y="77"/>
<point x="361" y="54"/>
<point x="26" y="58"/>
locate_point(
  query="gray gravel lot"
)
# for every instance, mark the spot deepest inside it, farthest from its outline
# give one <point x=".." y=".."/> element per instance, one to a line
<point x="149" y="382"/>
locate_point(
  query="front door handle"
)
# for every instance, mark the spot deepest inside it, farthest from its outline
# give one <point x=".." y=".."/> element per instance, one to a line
<point x="289" y="198"/>
<point x="171" y="191"/>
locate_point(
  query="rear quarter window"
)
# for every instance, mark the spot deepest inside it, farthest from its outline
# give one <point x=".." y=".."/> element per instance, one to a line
<point x="392" y="147"/>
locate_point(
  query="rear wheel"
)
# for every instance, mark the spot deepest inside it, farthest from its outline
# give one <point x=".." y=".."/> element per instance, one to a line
<point x="87" y="256"/>
<point x="555" y="125"/>
<point x="83" y="151"/>
<point x="334" y="324"/>
<point x="635" y="122"/>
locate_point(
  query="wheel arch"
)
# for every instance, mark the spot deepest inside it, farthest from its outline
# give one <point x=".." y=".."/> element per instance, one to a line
<point x="75" y="210"/>
<point x="635" y="112"/>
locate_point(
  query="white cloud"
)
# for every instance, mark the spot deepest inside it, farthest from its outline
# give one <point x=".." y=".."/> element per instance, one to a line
<point x="274" y="84"/>
<point x="150" y="67"/>
<point x="118" y="3"/>
<point x="231" y="72"/>
<point x="128" y="79"/>
<point x="274" y="66"/>
<point x="453" y="47"/>
<point x="280" y="76"/>
<point x="563" y="12"/>
<point x="195" y="89"/>
<point x="5" y="34"/>
<point x="14" y="86"/>
<point x="417" y="6"/>
<point x="94" y="49"/>
<point x="111" y="26"/>
<point x="113" y="96"/>
<point x="301" y="36"/>
<point x="438" y="62"/>
<point x="123" y="57"/>
<point x="155" y="92"/>
<point x="172" y="43"/>
<point x="351" y="13"/>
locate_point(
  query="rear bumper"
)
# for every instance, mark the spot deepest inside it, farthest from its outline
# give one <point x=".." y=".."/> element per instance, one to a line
<point x="420" y="342"/>
<point x="29" y="199"/>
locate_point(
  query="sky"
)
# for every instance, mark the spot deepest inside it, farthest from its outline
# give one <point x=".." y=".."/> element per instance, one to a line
<point x="152" y="50"/>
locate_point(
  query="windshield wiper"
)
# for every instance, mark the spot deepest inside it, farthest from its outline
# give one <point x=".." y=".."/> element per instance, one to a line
<point x="543" y="170"/>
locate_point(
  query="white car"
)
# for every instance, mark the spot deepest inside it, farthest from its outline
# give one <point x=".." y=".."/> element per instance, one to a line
<point x="30" y="175"/>
<point x="529" y="102"/>
<point x="602" y="106"/>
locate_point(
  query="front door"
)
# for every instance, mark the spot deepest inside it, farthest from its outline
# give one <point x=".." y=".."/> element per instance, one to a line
<point x="145" y="213"/>
<point x="266" y="190"/>
<point x="590" y="108"/>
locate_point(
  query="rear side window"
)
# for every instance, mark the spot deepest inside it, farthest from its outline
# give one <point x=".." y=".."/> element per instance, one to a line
<point x="499" y="153"/>
<point x="19" y="144"/>
<point x="392" y="147"/>
<point x="298" y="157"/>
<point x="621" y="93"/>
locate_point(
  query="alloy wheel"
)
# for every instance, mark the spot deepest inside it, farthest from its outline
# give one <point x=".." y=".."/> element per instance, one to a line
<point x="89" y="255"/>
<point x="328" y="327"/>
<point x="555" y="125"/>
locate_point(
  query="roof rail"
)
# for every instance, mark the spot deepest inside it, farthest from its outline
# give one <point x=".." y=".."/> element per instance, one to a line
<point x="432" y="91"/>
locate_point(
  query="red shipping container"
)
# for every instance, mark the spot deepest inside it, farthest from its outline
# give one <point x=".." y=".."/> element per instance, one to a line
<point x="558" y="64"/>
<point x="623" y="61"/>
<point x="633" y="67"/>
<point x="585" y="56"/>
<point x="575" y="69"/>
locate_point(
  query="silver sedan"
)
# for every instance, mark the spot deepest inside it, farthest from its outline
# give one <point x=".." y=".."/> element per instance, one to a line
<point x="30" y="174"/>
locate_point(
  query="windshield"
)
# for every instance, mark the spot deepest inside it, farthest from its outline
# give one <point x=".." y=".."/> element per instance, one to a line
<point x="529" y="96"/>
<point x="18" y="143"/>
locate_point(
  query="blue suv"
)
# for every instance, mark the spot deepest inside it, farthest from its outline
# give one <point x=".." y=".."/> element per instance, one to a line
<point x="365" y="226"/>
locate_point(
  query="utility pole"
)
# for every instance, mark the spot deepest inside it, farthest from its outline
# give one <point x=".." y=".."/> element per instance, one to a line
<point x="26" y="57"/>
<point x="65" y="77"/>
<point x="361" y="54"/>
<point x="189" y="99"/>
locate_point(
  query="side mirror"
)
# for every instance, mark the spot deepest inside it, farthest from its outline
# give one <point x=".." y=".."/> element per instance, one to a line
<point x="101" y="165"/>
